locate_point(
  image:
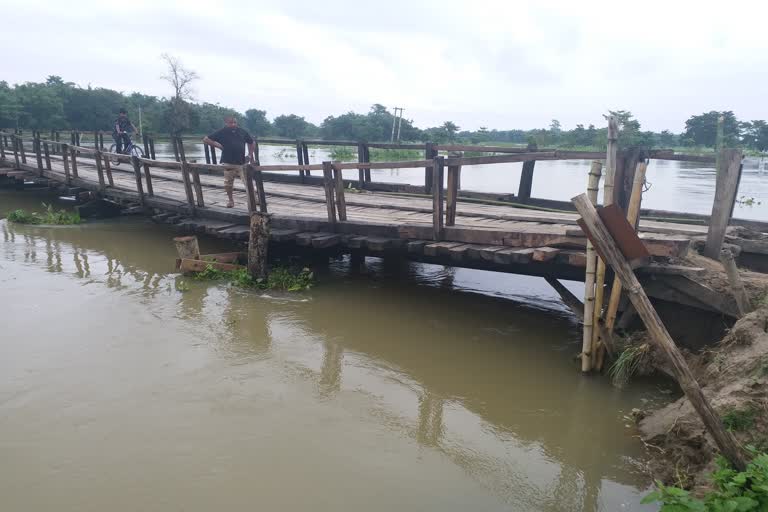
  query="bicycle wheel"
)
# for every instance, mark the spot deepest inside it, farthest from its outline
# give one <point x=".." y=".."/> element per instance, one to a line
<point x="113" y="159"/>
<point x="137" y="152"/>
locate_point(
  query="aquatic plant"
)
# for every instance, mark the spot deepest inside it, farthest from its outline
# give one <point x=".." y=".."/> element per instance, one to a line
<point x="48" y="216"/>
<point x="630" y="360"/>
<point x="734" y="491"/>
<point x="343" y="153"/>
<point x="279" y="278"/>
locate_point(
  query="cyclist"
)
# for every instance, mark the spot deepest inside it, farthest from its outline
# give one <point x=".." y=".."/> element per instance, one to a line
<point x="122" y="129"/>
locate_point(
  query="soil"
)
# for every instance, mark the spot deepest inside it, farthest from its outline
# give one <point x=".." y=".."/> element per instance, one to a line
<point x="734" y="377"/>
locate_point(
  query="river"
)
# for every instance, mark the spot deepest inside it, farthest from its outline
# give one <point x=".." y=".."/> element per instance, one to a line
<point x="403" y="386"/>
<point x="677" y="186"/>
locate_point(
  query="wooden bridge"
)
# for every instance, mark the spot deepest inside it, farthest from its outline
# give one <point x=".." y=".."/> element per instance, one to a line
<point x="436" y="223"/>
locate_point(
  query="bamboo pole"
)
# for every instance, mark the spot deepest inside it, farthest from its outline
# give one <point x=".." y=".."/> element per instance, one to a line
<point x="608" y="192"/>
<point x="593" y="184"/>
<point x="633" y="213"/>
<point x="603" y="240"/>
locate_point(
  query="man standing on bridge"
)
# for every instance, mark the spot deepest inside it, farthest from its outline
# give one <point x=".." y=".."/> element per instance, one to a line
<point x="231" y="140"/>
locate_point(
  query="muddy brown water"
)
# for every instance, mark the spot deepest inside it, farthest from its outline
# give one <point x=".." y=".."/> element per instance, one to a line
<point x="400" y="386"/>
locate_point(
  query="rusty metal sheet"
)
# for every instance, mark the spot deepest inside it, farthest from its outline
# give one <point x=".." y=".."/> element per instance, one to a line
<point x="622" y="233"/>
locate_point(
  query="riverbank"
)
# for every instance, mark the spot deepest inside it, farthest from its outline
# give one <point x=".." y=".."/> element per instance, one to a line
<point x="734" y="377"/>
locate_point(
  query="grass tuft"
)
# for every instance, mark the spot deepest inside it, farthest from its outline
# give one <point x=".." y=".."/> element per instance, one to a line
<point x="627" y="364"/>
<point x="48" y="216"/>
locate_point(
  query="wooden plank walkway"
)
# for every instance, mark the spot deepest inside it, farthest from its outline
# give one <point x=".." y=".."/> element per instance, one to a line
<point x="491" y="236"/>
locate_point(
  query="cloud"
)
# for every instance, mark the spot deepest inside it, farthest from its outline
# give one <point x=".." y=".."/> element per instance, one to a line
<point x="491" y="63"/>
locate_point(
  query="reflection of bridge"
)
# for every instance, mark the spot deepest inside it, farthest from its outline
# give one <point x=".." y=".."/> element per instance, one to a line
<point x="478" y="411"/>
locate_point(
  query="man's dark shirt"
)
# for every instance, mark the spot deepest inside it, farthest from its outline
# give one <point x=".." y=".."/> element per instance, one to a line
<point x="233" y="141"/>
<point x="123" y="124"/>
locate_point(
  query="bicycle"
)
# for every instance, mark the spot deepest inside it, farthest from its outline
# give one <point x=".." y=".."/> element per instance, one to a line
<point x="131" y="150"/>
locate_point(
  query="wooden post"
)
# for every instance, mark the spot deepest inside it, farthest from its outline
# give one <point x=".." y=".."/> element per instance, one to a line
<point x="261" y="194"/>
<point x="137" y="173"/>
<point x="624" y="176"/>
<point x="250" y="192"/>
<point x="38" y="152"/>
<point x="175" y="144"/>
<point x="361" y="171"/>
<point x="207" y="151"/>
<point x="593" y="185"/>
<point x="437" y="197"/>
<point x="99" y="169"/>
<point x="198" y="186"/>
<point x="185" y="172"/>
<point x="148" y="179"/>
<point x="329" y="188"/>
<point x="213" y="155"/>
<point x="305" y="152"/>
<point x="2" y="146"/>
<point x="65" y="158"/>
<point x="22" y="151"/>
<point x="258" y="245"/>
<point x="256" y="159"/>
<point x="367" y="151"/>
<point x="452" y="192"/>
<point x="633" y="215"/>
<point x="609" y="194"/>
<point x="429" y="154"/>
<point x="145" y="142"/>
<point x="341" y="202"/>
<point x="187" y="247"/>
<point x="152" y="149"/>
<point x="15" y="141"/>
<point x="300" y="159"/>
<point x="108" y="169"/>
<point x="101" y="141"/>
<point x="526" y="177"/>
<point x="602" y="239"/>
<point x="737" y="286"/>
<point x="725" y="196"/>
<point x="47" y="155"/>
<point x="73" y="154"/>
<point x="96" y="142"/>
<point x="77" y="138"/>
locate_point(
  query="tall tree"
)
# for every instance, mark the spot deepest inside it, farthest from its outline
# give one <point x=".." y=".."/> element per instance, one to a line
<point x="257" y="123"/>
<point x="701" y="130"/>
<point x="179" y="113"/>
<point x="292" y="126"/>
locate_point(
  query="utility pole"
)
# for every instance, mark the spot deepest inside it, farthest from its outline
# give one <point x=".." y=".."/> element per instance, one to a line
<point x="395" y="122"/>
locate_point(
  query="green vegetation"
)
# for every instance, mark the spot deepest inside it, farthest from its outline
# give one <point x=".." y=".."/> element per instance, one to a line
<point x="733" y="491"/>
<point x="59" y="105"/>
<point x="392" y="155"/>
<point x="279" y="278"/>
<point x="740" y="420"/>
<point x="632" y="358"/>
<point x="48" y="216"/>
<point x="343" y="154"/>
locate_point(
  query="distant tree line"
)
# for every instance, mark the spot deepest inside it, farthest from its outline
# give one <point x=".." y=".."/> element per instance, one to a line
<point x="59" y="105"/>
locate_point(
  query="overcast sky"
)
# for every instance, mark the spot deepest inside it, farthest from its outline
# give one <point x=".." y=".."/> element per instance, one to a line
<point x="499" y="64"/>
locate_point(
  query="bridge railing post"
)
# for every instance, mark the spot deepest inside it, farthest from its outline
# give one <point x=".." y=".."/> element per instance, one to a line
<point x="452" y="192"/>
<point x="329" y="187"/>
<point x="526" y="177"/>
<point x="151" y="153"/>
<point x="305" y="152"/>
<point x="47" y="153"/>
<point x="15" y="143"/>
<point x="145" y="143"/>
<point x="38" y="152"/>
<point x="261" y="193"/>
<point x="107" y="168"/>
<point x="2" y="146"/>
<point x="137" y="174"/>
<point x="360" y="170"/>
<point x="99" y="169"/>
<point x="22" y="151"/>
<point x="64" y="148"/>
<point x="73" y="154"/>
<point x="437" y="197"/>
<point x="341" y="202"/>
<point x="429" y="154"/>
<point x="250" y="192"/>
<point x="185" y="172"/>
<point x="300" y="158"/>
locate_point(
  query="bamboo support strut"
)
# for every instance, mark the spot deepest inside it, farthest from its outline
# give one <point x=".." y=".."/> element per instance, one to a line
<point x="602" y="239"/>
<point x="608" y="193"/>
<point x="593" y="185"/>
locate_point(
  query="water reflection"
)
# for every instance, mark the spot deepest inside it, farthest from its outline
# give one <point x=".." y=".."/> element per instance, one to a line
<point x="487" y="384"/>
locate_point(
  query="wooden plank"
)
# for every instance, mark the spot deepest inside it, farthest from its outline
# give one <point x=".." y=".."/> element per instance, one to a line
<point x="324" y="241"/>
<point x="187" y="266"/>
<point x="283" y="235"/>
<point x="545" y="253"/>
<point x="726" y="189"/>
<point x="508" y="256"/>
<point x="223" y="257"/>
<point x="440" y="248"/>
<point x="381" y="244"/>
<point x="460" y="252"/>
<point x="416" y="246"/>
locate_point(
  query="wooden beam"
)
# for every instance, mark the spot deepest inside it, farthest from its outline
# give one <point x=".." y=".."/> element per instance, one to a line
<point x="726" y="189"/>
<point x="341" y="202"/>
<point x="328" y="185"/>
<point x="437" y="198"/>
<point x="737" y="286"/>
<point x="599" y="235"/>
<point x="452" y="194"/>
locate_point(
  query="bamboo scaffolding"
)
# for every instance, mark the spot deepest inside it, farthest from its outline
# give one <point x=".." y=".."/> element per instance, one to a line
<point x="633" y="213"/>
<point x="610" y="173"/>
<point x="593" y="185"/>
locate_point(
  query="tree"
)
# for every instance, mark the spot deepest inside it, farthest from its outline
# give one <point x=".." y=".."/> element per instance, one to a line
<point x="668" y="139"/>
<point x="292" y="126"/>
<point x="756" y="135"/>
<point x="257" y="123"/>
<point x="10" y="107"/>
<point x="701" y="130"/>
<point x="450" y="128"/>
<point x="178" y="112"/>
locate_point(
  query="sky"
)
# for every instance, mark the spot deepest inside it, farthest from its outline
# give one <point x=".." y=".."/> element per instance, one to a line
<point x="480" y="63"/>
